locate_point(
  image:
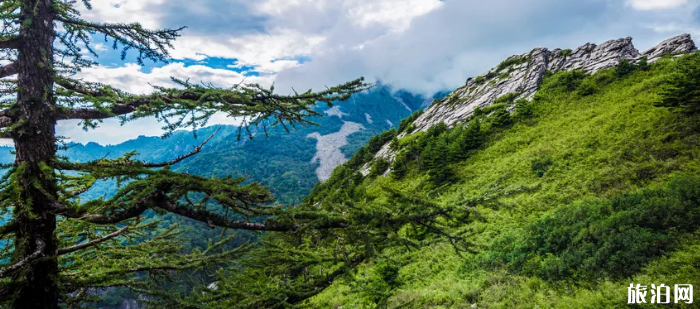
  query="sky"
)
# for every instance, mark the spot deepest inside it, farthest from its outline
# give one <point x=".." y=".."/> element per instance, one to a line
<point x="423" y="46"/>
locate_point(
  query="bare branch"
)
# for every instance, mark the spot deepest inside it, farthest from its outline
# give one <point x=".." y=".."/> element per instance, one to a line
<point x="8" y="70"/>
<point x="40" y="245"/>
<point x="183" y="157"/>
<point x="92" y="242"/>
<point x="12" y="43"/>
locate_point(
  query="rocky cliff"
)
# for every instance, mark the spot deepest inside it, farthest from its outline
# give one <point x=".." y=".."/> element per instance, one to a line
<point x="523" y="74"/>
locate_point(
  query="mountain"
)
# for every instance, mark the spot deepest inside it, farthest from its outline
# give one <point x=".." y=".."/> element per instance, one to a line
<point x="289" y="162"/>
<point x="573" y="180"/>
<point x="520" y="77"/>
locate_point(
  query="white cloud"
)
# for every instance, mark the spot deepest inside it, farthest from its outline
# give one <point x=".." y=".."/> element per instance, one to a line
<point x="123" y="11"/>
<point x="675" y="28"/>
<point x="281" y="7"/>
<point x="655" y="4"/>
<point x="258" y="50"/>
<point x="397" y="15"/>
<point x="131" y="78"/>
<point x="419" y="45"/>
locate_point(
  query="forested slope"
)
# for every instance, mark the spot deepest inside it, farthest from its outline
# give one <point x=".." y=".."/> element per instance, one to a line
<point x="567" y="199"/>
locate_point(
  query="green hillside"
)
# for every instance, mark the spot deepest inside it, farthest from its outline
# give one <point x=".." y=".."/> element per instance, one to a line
<point x="580" y="192"/>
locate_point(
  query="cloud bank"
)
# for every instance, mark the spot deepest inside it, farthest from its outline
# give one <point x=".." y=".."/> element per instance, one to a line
<point x="419" y="45"/>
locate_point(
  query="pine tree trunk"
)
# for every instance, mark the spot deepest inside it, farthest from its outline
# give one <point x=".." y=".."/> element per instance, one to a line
<point x="35" y="151"/>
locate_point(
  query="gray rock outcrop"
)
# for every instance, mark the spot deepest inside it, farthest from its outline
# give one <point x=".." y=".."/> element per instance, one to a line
<point x="523" y="74"/>
<point x="328" y="152"/>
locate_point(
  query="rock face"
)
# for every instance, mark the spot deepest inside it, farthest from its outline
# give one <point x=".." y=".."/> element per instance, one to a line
<point x="328" y="152"/>
<point x="523" y="74"/>
<point x="677" y="45"/>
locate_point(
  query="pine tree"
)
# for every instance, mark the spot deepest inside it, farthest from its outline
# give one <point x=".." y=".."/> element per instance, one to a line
<point x="435" y="157"/>
<point x="58" y="246"/>
<point x="682" y="90"/>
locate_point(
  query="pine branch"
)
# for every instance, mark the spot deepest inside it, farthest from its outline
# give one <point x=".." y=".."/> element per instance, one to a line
<point x="194" y="104"/>
<point x="9" y="227"/>
<point x="218" y="220"/>
<point x="92" y="242"/>
<point x="40" y="245"/>
<point x="119" y="216"/>
<point x="150" y="44"/>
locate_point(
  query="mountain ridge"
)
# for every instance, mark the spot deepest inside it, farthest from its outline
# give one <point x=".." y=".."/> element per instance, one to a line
<point x="521" y="76"/>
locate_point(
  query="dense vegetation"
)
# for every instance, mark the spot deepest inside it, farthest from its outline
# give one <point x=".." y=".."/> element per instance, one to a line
<point x="570" y="198"/>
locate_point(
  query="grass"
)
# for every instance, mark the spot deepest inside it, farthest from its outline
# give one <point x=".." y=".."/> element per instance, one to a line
<point x="579" y="147"/>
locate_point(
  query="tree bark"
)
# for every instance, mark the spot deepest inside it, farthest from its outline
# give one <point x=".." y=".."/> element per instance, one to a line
<point x="35" y="146"/>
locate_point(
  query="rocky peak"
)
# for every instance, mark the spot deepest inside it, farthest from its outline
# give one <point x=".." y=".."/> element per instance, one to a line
<point x="676" y="45"/>
<point x="523" y="74"/>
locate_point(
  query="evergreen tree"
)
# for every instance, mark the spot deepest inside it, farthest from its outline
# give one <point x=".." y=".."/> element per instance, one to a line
<point x="58" y="246"/>
<point x="435" y="159"/>
<point x="682" y="91"/>
<point x="398" y="167"/>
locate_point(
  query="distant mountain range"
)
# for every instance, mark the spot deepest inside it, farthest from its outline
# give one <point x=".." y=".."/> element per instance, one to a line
<point x="289" y="163"/>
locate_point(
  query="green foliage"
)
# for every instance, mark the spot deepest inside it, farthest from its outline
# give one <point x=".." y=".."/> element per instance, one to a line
<point x="523" y="110"/>
<point x="378" y="286"/>
<point x="565" y="53"/>
<point x="682" y="89"/>
<point x="507" y="98"/>
<point x="619" y="188"/>
<point x="541" y="164"/>
<point x="512" y="61"/>
<point x="500" y="117"/>
<point x="479" y="80"/>
<point x="379" y="167"/>
<point x="625" y="67"/>
<point x="408" y="121"/>
<point x="587" y="87"/>
<point x="567" y="80"/>
<point x="611" y="238"/>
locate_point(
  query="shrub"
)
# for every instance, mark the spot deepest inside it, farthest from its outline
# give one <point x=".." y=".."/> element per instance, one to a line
<point x="398" y="167"/>
<point x="587" y="87"/>
<point x="500" y="118"/>
<point x="523" y="110"/>
<point x="567" y="80"/>
<point x="406" y="123"/>
<point x="565" y="53"/>
<point x="508" y="98"/>
<point x="540" y="165"/>
<point x="515" y="60"/>
<point x="379" y="167"/>
<point x="624" y="68"/>
<point x="595" y="239"/>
